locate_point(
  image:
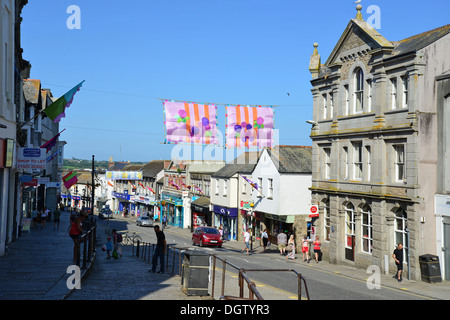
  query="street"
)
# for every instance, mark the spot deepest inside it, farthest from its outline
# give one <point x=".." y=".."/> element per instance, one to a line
<point x="322" y="284"/>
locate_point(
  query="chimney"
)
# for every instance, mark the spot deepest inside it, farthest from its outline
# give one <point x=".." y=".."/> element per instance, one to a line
<point x="314" y="63"/>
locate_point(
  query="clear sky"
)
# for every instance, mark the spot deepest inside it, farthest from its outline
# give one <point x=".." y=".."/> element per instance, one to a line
<point x="248" y="52"/>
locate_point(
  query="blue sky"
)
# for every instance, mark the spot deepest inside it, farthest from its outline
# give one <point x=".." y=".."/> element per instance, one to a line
<point x="133" y="53"/>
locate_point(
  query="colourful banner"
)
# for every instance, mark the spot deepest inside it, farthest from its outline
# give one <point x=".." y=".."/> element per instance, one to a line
<point x="188" y="122"/>
<point x="249" y="127"/>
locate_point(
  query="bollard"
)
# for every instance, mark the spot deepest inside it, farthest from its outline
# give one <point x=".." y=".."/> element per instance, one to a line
<point x="137" y="248"/>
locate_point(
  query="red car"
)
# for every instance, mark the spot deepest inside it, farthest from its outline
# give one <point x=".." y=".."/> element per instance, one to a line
<point x="207" y="236"/>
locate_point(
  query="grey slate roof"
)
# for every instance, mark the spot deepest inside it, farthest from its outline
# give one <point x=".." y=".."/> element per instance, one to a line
<point x="152" y="168"/>
<point x="292" y="159"/>
<point x="245" y="163"/>
<point x="420" y="41"/>
<point x="118" y="166"/>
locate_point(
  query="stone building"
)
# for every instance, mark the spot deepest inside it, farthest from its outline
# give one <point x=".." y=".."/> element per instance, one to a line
<point x="375" y="149"/>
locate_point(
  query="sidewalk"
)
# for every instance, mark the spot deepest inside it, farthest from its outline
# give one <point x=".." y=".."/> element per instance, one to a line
<point x="34" y="267"/>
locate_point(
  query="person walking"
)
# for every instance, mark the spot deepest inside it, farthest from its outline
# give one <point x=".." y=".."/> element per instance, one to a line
<point x="44" y="215"/>
<point x="398" y="258"/>
<point x="160" y="250"/>
<point x="164" y="221"/>
<point x="291" y="245"/>
<point x="281" y="239"/>
<point x="265" y="239"/>
<point x="305" y="248"/>
<point x="316" y="245"/>
<point x="56" y="219"/>
<point x="75" y="232"/>
<point x="246" y="241"/>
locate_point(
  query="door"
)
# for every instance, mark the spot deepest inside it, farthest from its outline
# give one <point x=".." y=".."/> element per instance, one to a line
<point x="447" y="251"/>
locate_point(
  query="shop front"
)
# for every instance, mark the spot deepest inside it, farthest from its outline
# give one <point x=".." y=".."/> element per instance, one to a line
<point x="227" y="217"/>
<point x="144" y="205"/>
<point x="278" y="223"/>
<point x="123" y="206"/>
<point x="172" y="207"/>
<point x="201" y="215"/>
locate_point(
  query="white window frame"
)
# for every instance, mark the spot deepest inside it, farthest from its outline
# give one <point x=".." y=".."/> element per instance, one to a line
<point x="270" y="188"/>
<point x="357" y="160"/>
<point x="368" y="162"/>
<point x="217" y="187"/>
<point x="400" y="234"/>
<point x="345" y="149"/>
<point x="225" y="188"/>
<point x="394" y="98"/>
<point x="350" y="222"/>
<point x="366" y="223"/>
<point x="405" y="85"/>
<point x="399" y="163"/>
<point x="369" y="95"/>
<point x="327" y="220"/>
<point x="358" y="99"/>
<point x="325" y="106"/>
<point x="260" y="187"/>
<point x="327" y="163"/>
<point x="347" y="100"/>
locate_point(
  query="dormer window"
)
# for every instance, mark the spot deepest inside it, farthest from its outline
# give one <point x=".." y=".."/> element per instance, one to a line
<point x="359" y="90"/>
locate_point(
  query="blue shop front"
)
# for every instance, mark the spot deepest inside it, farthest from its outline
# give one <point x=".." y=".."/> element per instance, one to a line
<point x="124" y="202"/>
<point x="227" y="217"/>
<point x="172" y="206"/>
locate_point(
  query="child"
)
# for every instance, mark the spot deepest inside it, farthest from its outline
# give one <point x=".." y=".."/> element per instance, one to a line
<point x="108" y="248"/>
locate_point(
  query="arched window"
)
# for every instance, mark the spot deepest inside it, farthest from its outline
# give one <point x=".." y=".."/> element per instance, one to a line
<point x="366" y="225"/>
<point x="349" y="225"/>
<point x="358" y="86"/>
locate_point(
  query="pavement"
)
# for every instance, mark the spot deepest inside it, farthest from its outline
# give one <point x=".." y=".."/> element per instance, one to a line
<point x="35" y="268"/>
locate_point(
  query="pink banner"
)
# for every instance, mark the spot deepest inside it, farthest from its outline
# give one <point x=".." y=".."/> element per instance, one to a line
<point x="249" y="127"/>
<point x="187" y="122"/>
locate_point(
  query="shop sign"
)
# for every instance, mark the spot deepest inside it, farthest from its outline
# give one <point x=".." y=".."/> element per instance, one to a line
<point x="122" y="196"/>
<point x="314" y="211"/>
<point x="230" y="212"/>
<point x="31" y="158"/>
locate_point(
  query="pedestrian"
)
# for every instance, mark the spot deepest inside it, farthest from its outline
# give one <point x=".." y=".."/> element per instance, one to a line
<point x="281" y="239"/>
<point x="75" y="232"/>
<point x="317" y="252"/>
<point x="116" y="238"/>
<point x="160" y="250"/>
<point x="246" y="241"/>
<point x="164" y="221"/>
<point x="305" y="248"/>
<point x="221" y="231"/>
<point x="34" y="218"/>
<point x="265" y="239"/>
<point x="44" y="215"/>
<point x="56" y="219"/>
<point x="108" y="248"/>
<point x="398" y="257"/>
<point x="291" y="244"/>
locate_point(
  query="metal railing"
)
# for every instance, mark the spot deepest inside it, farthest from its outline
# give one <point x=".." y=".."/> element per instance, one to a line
<point x="145" y="251"/>
<point x="87" y="240"/>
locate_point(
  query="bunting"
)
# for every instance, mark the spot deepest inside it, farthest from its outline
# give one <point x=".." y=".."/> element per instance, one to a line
<point x="188" y="122"/>
<point x="57" y="109"/>
<point x="70" y="179"/>
<point x="249" y="127"/>
<point x="52" y="142"/>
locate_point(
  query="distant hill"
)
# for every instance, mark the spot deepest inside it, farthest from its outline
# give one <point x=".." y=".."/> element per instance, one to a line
<point x="79" y="164"/>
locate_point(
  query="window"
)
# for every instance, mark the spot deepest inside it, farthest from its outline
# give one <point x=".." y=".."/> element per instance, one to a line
<point x="359" y="90"/>
<point x="405" y="92"/>
<point x="368" y="162"/>
<point x="345" y="154"/>
<point x="400" y="227"/>
<point x="369" y="95"/>
<point x="331" y="105"/>
<point x="357" y="160"/>
<point x="225" y="188"/>
<point x="399" y="162"/>
<point x="270" y="188"/>
<point x="217" y="186"/>
<point x="327" y="152"/>
<point x="260" y="187"/>
<point x="346" y="102"/>
<point x="393" y="93"/>
<point x="349" y="225"/>
<point x="327" y="219"/>
<point x="244" y="186"/>
<point x="366" y="226"/>
<point x="325" y="107"/>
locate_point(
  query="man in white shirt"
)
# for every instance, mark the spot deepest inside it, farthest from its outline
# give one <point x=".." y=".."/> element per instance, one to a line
<point x="246" y="241"/>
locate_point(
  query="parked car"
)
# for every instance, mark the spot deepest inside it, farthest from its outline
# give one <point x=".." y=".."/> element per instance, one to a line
<point x="206" y="236"/>
<point x="144" y="221"/>
<point x="105" y="214"/>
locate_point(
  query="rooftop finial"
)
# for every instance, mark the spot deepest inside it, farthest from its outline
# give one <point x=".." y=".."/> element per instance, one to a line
<point x="359" y="14"/>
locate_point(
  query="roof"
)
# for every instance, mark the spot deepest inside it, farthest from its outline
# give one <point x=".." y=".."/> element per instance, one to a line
<point x="292" y="159"/>
<point x="420" y="41"/>
<point x="152" y="168"/>
<point x="118" y="166"/>
<point x="202" y="202"/>
<point x="205" y="166"/>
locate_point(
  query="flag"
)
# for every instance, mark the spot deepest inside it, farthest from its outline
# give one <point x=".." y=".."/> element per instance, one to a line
<point x="70" y="179"/>
<point x="57" y="109"/>
<point x="151" y="190"/>
<point x="188" y="122"/>
<point x="52" y="156"/>
<point x="51" y="143"/>
<point x="110" y="184"/>
<point x="249" y="127"/>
